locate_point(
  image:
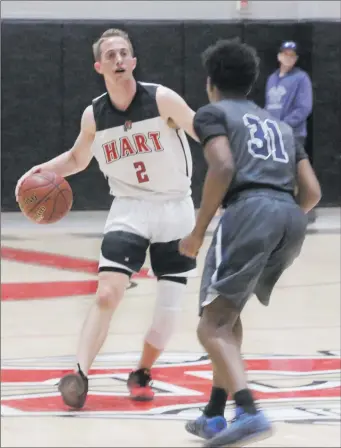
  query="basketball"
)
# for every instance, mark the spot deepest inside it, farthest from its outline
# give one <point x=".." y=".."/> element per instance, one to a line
<point x="45" y="197"/>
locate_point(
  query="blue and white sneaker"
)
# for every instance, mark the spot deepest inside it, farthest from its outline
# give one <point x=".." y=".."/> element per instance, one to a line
<point x="244" y="429"/>
<point x="206" y="427"/>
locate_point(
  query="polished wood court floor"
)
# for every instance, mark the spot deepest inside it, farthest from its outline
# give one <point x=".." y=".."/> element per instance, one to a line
<point x="292" y="348"/>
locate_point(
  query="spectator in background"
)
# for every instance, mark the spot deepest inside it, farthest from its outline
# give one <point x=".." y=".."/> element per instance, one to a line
<point x="288" y="95"/>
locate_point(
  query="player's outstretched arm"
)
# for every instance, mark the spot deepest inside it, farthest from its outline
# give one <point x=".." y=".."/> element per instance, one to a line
<point x="74" y="160"/>
<point x="309" y="190"/>
<point x="218" y="178"/>
<point x="175" y="111"/>
<point x="210" y="126"/>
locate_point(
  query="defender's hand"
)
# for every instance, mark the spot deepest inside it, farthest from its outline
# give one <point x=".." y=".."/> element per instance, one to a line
<point x="190" y="245"/>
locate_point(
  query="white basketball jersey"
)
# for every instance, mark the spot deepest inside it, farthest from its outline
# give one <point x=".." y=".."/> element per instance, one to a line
<point x="138" y="153"/>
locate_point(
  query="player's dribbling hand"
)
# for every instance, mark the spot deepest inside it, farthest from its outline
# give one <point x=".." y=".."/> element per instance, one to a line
<point x="35" y="169"/>
<point x="190" y="245"/>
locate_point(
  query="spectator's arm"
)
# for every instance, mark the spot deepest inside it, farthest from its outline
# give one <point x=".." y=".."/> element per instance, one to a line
<point x="303" y="104"/>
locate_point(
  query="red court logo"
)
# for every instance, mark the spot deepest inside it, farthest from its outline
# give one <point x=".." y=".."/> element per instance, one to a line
<point x="288" y="388"/>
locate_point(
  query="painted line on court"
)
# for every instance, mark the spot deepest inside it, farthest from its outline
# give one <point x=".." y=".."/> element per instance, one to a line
<point x="48" y="290"/>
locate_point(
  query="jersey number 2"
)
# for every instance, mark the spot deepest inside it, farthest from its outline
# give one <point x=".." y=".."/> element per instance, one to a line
<point x="141" y="173"/>
<point x="266" y="139"/>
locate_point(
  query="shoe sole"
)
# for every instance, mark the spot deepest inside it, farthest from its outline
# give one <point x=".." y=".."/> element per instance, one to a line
<point x="71" y="388"/>
<point x="195" y="434"/>
<point x="141" y="398"/>
<point x="245" y="441"/>
<point x="200" y="435"/>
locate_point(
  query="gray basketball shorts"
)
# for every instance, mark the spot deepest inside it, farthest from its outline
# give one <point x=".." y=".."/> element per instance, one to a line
<point x="257" y="238"/>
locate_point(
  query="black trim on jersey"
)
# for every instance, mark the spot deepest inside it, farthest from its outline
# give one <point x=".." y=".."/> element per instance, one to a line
<point x="130" y="106"/>
<point x="183" y="149"/>
<point x="142" y="107"/>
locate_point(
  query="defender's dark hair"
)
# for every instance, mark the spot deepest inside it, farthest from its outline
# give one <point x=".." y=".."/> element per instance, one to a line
<point x="231" y="65"/>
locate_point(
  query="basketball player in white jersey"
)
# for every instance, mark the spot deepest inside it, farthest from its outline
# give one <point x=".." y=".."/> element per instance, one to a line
<point x="136" y="133"/>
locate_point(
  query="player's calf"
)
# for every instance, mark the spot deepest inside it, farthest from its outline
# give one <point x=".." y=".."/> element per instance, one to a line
<point x="111" y="287"/>
<point x="168" y="305"/>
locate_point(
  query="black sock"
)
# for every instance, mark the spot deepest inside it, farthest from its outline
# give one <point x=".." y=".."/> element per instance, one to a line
<point x="217" y="403"/>
<point x="142" y="377"/>
<point x="81" y="373"/>
<point x="244" y="399"/>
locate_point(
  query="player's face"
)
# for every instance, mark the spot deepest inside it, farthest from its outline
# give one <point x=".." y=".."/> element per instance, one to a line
<point x="287" y="58"/>
<point x="117" y="62"/>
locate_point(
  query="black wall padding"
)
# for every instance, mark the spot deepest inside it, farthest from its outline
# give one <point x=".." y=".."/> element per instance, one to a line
<point x="327" y="109"/>
<point x="197" y="37"/>
<point x="159" y="50"/>
<point x="31" y="90"/>
<point x="48" y="79"/>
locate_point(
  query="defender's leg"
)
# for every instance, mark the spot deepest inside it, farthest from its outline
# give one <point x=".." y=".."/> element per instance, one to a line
<point x="235" y="261"/>
<point x="218" y="398"/>
<point x="212" y="419"/>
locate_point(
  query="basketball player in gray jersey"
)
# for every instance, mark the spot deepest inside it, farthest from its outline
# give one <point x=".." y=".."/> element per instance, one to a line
<point x="254" y="158"/>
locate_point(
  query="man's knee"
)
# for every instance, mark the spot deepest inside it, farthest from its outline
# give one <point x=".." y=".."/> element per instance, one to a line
<point x="168" y="306"/>
<point x="204" y="332"/>
<point x="111" y="288"/>
<point x="217" y="316"/>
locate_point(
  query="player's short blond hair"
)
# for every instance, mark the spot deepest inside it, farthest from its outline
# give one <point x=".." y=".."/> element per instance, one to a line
<point x="112" y="32"/>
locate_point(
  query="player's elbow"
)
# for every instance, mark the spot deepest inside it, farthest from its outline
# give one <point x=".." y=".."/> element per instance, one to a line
<point x="309" y="190"/>
<point x="315" y="194"/>
<point x="309" y="196"/>
<point x="226" y="168"/>
<point x="222" y="170"/>
<point x="80" y="163"/>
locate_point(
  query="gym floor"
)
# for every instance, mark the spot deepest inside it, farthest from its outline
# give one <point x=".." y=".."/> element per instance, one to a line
<point x="292" y="348"/>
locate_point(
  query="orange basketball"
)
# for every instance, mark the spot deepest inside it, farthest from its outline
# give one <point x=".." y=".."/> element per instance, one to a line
<point x="45" y="197"/>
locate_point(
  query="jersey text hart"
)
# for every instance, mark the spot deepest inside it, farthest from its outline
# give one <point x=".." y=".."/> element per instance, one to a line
<point x="129" y="146"/>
